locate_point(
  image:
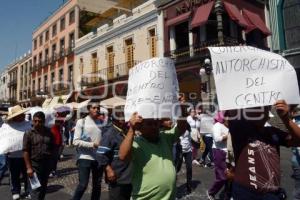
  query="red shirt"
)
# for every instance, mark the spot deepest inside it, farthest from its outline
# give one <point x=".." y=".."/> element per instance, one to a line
<point x="55" y="130"/>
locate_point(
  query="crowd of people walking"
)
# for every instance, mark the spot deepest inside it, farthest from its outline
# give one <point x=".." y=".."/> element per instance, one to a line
<point x="139" y="159"/>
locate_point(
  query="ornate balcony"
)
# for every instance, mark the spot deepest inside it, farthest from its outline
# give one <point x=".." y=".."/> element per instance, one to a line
<point x="198" y="51"/>
<point x="107" y="74"/>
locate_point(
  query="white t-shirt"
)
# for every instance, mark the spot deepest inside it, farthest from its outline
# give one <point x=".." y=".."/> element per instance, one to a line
<point x="194" y="123"/>
<point x="207" y="123"/>
<point x="186" y="142"/>
<point x="220" y="130"/>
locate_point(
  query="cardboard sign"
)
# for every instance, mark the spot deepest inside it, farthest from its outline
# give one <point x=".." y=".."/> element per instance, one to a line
<point x="152" y="89"/>
<point x="248" y="77"/>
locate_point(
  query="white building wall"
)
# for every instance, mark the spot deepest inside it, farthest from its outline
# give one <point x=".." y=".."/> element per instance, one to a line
<point x="137" y="26"/>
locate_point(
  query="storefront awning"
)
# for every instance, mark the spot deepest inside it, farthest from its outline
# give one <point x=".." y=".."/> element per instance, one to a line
<point x="256" y="21"/>
<point x="179" y="19"/>
<point x="201" y="15"/>
<point x="236" y="15"/>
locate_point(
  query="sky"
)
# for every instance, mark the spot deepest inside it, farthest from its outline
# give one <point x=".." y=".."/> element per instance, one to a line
<point x="18" y="19"/>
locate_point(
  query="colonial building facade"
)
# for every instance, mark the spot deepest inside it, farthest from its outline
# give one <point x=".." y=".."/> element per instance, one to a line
<point x="190" y="26"/>
<point x="104" y="57"/>
<point x="4" y="90"/>
<point x="285" y="24"/>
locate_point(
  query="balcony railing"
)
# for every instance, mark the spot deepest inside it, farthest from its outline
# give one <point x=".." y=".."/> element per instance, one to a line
<point x="62" y="53"/>
<point x="70" y="50"/>
<point x="199" y="50"/>
<point x="12" y="83"/>
<point x="53" y="58"/>
<point x="107" y="74"/>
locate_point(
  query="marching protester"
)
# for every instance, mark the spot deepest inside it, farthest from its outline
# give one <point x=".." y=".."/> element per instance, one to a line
<point x="186" y="151"/>
<point x="207" y="122"/>
<point x="118" y="172"/>
<point x="194" y="123"/>
<point x="87" y="138"/>
<point x="56" y="130"/>
<point x="220" y="135"/>
<point x="153" y="172"/>
<point x="296" y="157"/>
<point x="38" y="148"/>
<point x="257" y="153"/>
<point x="16" y="165"/>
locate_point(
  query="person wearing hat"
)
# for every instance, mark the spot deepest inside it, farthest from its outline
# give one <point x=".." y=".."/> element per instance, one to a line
<point x="15" y="121"/>
<point x="87" y="138"/>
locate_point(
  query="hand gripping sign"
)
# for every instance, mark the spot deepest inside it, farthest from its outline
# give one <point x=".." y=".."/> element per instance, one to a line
<point x="249" y="77"/>
<point x="152" y="90"/>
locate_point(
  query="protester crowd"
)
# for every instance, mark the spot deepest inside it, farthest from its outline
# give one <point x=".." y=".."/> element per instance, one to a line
<point x="139" y="159"/>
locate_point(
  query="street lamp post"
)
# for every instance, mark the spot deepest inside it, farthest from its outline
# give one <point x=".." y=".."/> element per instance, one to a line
<point x="206" y="69"/>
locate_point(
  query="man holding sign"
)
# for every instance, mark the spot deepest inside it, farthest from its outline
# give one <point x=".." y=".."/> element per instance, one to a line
<point x="256" y="147"/>
<point x="152" y="89"/>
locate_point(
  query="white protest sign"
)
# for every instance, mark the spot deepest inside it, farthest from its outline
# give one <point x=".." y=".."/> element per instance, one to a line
<point x="152" y="89"/>
<point x="248" y="77"/>
<point x="10" y="139"/>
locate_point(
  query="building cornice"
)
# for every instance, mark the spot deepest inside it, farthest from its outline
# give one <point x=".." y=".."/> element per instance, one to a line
<point x="109" y="35"/>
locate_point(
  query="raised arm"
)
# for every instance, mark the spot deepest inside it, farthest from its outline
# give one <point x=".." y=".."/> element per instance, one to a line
<point x="126" y="145"/>
<point x="294" y="130"/>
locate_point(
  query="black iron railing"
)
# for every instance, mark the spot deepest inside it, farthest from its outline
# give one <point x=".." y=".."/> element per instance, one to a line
<point x="107" y="74"/>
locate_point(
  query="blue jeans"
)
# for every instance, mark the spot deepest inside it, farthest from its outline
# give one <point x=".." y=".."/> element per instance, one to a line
<point x="242" y="193"/>
<point x="3" y="165"/>
<point x="188" y="164"/>
<point x="296" y="177"/>
<point x="208" y="148"/>
<point x="85" y="168"/>
<point x="16" y="168"/>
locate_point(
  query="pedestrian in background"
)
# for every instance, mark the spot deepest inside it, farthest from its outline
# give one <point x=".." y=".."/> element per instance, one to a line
<point x="194" y="124"/>
<point x="296" y="157"/>
<point x="38" y="148"/>
<point x="186" y="148"/>
<point x="220" y="135"/>
<point x="206" y="129"/>
<point x="16" y="165"/>
<point x="118" y="172"/>
<point x="56" y="131"/>
<point x="87" y="138"/>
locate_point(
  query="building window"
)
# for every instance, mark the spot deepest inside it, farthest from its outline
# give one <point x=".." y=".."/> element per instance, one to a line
<point x="129" y="53"/>
<point x="152" y="42"/>
<point x="40" y="58"/>
<point x="81" y="65"/>
<point x="53" y="53"/>
<point x="41" y="40"/>
<point x="34" y="61"/>
<point x="61" y="75"/>
<point x="46" y="55"/>
<point x="71" y="41"/>
<point x="54" y="30"/>
<point x="34" y="44"/>
<point x="45" y="83"/>
<point x="72" y="17"/>
<point x="62" y="24"/>
<point x="39" y="84"/>
<point x="110" y="62"/>
<point x="52" y="77"/>
<point x="70" y="74"/>
<point x="47" y="36"/>
<point x="94" y="62"/>
<point x="62" y="47"/>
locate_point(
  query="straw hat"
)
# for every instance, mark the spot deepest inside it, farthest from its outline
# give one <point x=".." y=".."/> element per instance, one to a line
<point x="15" y="111"/>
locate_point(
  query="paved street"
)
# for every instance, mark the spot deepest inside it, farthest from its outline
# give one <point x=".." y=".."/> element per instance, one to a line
<point x="63" y="186"/>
